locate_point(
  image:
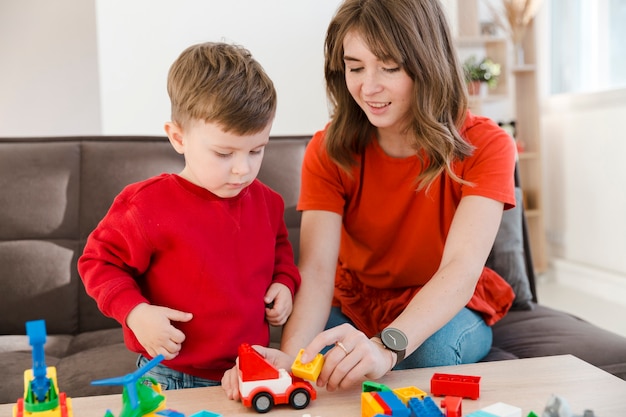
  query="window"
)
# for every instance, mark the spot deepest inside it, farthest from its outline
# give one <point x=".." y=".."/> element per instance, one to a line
<point x="588" y="47"/>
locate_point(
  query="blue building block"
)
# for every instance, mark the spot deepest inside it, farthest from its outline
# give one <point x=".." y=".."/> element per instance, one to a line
<point x="170" y="413"/>
<point x="424" y="408"/>
<point x="205" y="413"/>
<point x="40" y="385"/>
<point x="394" y="403"/>
<point x="480" y="413"/>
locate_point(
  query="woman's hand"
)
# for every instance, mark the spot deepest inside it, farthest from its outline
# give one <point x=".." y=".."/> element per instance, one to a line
<point x="352" y="360"/>
<point x="277" y="358"/>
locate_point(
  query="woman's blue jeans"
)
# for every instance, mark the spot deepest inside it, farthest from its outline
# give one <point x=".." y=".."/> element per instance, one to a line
<point x="465" y="339"/>
<point x="171" y="379"/>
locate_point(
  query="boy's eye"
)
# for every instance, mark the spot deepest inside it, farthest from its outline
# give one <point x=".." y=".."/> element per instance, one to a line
<point x="223" y="155"/>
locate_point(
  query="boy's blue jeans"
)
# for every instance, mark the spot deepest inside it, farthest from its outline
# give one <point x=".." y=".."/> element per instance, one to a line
<point x="171" y="379"/>
<point x="465" y="339"/>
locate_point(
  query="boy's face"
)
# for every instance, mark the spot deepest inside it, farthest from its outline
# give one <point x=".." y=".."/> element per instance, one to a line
<point x="223" y="163"/>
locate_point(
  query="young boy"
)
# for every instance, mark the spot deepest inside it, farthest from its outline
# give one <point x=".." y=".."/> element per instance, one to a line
<point x="192" y="265"/>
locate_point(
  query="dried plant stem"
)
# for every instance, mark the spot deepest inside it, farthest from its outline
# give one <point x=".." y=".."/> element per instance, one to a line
<point x="515" y="16"/>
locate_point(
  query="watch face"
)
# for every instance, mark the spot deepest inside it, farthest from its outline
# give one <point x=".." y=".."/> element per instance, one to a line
<point x="394" y="339"/>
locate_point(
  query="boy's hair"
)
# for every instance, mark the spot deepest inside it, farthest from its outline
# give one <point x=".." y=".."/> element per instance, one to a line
<point x="414" y="34"/>
<point x="221" y="83"/>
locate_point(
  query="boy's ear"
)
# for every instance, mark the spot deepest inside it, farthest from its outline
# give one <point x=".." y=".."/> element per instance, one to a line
<point x="175" y="135"/>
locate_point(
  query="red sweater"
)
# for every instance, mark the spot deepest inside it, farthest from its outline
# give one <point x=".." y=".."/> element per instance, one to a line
<point x="170" y="243"/>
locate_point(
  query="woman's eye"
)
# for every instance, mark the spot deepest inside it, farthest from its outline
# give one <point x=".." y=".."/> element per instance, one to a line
<point x="393" y="69"/>
<point x="359" y="69"/>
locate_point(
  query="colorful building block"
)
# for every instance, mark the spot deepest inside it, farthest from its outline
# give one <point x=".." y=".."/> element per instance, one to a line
<point x="452" y="406"/>
<point x="41" y="392"/>
<point x="205" y="413"/>
<point x="464" y="386"/>
<point x="396" y="407"/>
<point x="503" y="410"/>
<point x="369" y="386"/>
<point x="424" y="408"/>
<point x="371" y="405"/>
<point x="480" y="413"/>
<point x="406" y="393"/>
<point x="311" y="370"/>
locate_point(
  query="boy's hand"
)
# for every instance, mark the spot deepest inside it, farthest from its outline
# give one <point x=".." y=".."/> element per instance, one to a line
<point x="230" y="383"/>
<point x="153" y="329"/>
<point x="278" y="304"/>
<point x="278" y="359"/>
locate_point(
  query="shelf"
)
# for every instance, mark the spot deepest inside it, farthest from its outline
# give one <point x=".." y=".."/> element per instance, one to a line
<point x="469" y="41"/>
<point x="526" y="68"/>
<point x="518" y="82"/>
<point x="526" y="155"/>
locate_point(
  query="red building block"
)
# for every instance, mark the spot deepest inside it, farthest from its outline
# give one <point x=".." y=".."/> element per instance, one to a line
<point x="464" y="386"/>
<point x="452" y="405"/>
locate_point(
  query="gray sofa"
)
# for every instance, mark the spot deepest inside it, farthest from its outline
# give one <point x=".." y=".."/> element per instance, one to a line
<point x="55" y="190"/>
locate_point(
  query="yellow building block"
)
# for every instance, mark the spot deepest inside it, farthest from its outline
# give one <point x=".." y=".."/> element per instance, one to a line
<point x="369" y="406"/>
<point x="310" y="370"/>
<point x="406" y="393"/>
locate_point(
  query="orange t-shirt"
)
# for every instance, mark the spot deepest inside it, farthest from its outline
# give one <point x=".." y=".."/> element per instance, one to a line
<point x="393" y="236"/>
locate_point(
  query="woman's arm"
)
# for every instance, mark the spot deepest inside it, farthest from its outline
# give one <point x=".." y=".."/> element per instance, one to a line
<point x="469" y="241"/>
<point x="467" y="247"/>
<point x="320" y="234"/>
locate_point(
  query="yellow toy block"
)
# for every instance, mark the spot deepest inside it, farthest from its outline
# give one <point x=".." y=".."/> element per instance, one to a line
<point x="369" y="406"/>
<point x="406" y="393"/>
<point x="310" y="370"/>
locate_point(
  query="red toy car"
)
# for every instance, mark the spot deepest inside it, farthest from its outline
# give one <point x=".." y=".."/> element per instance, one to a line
<point x="262" y="386"/>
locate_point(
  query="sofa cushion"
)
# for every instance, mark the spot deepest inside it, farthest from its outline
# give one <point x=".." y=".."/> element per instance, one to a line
<point x="544" y="331"/>
<point x="507" y="255"/>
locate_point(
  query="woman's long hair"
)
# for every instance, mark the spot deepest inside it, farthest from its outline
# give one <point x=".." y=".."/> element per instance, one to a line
<point x="415" y="35"/>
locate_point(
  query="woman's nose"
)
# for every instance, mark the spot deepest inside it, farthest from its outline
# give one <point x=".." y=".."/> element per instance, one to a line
<point x="371" y="84"/>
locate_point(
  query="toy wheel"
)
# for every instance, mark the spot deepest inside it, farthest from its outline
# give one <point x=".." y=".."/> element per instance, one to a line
<point x="299" y="398"/>
<point x="263" y="402"/>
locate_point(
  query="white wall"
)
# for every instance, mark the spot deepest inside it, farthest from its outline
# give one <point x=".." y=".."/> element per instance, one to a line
<point x="100" y="66"/>
<point x="48" y="68"/>
<point x="138" y="40"/>
<point x="585" y="190"/>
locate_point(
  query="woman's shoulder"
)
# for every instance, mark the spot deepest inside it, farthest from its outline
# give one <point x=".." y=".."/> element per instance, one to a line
<point x="485" y="134"/>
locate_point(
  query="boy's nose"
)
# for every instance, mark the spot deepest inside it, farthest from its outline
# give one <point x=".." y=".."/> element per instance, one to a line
<point x="241" y="166"/>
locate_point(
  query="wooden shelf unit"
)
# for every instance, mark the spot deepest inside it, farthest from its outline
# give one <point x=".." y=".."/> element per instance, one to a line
<point x="523" y="79"/>
<point x="528" y="135"/>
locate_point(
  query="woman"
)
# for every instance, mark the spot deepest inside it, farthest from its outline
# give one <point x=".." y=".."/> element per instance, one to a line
<point x="402" y="195"/>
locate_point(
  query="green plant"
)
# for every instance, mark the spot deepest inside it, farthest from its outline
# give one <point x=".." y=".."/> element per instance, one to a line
<point x="485" y="71"/>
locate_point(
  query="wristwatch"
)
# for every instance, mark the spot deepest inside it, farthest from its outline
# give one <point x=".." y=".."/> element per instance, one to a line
<point x="394" y="340"/>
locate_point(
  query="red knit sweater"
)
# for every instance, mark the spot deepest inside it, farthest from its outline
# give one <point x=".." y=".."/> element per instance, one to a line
<point x="170" y="243"/>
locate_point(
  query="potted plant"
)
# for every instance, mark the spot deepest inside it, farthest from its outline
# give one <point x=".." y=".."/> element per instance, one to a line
<point x="481" y="72"/>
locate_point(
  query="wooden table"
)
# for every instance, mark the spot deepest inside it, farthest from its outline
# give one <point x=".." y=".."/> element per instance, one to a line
<point x="525" y="383"/>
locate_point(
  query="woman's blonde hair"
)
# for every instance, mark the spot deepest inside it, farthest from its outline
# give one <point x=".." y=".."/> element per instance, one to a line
<point x="415" y="35"/>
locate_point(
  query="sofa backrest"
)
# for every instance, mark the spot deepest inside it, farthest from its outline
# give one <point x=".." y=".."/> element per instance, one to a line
<point x="54" y="191"/>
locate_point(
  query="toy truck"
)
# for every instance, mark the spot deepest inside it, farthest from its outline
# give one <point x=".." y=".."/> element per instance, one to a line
<point x="261" y="385"/>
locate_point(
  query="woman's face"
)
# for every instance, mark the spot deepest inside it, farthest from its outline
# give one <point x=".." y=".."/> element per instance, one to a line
<point x="382" y="89"/>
